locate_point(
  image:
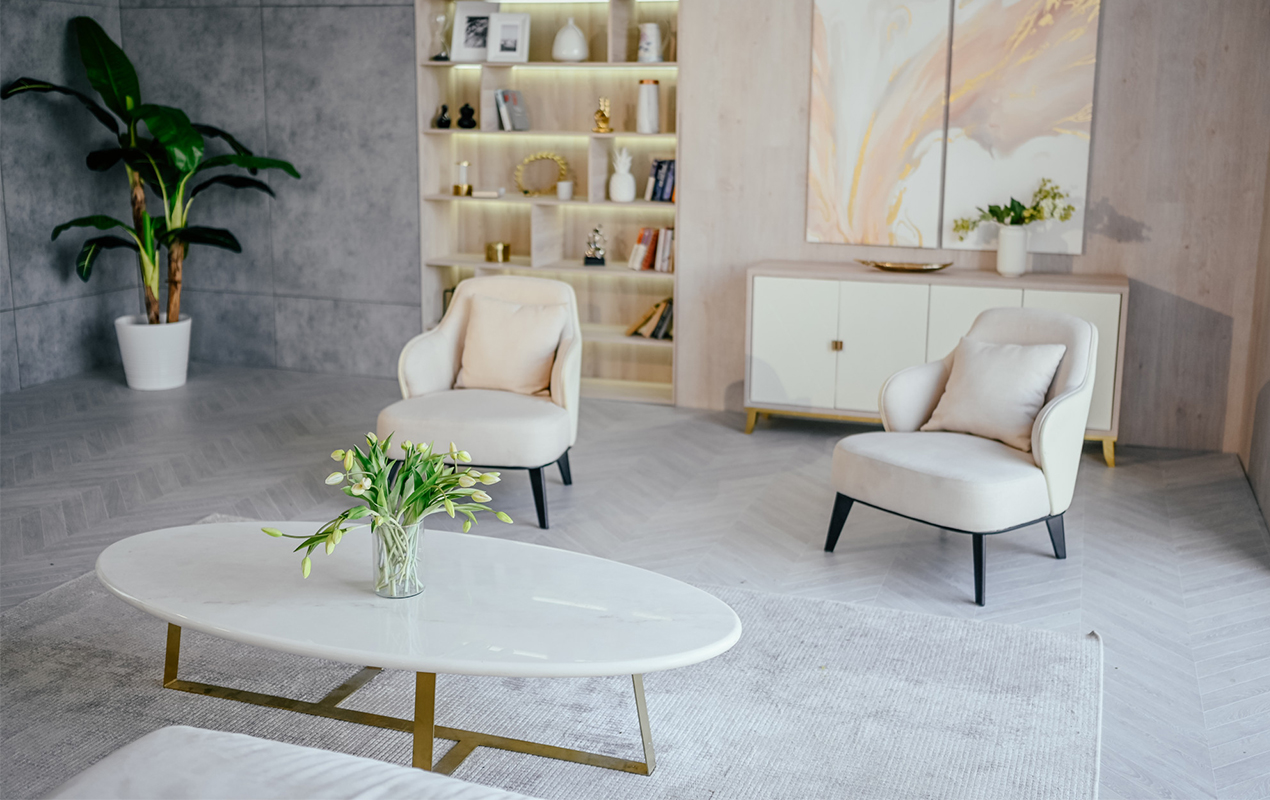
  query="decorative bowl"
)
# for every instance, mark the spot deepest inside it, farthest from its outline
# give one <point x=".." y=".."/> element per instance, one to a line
<point x="904" y="266"/>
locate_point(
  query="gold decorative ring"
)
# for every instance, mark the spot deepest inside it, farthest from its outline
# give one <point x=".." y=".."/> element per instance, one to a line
<point x="543" y="156"/>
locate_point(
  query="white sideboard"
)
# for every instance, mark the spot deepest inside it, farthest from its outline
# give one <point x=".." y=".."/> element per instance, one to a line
<point x="822" y="338"/>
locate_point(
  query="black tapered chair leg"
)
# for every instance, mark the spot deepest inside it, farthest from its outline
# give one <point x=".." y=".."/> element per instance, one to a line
<point x="1057" y="536"/>
<point x="540" y="495"/>
<point x="841" y="508"/>
<point x="979" y="582"/>
<point x="565" y="474"/>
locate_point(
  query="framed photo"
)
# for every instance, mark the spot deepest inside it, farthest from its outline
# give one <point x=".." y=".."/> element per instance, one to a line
<point x="508" y="37"/>
<point x="470" y="41"/>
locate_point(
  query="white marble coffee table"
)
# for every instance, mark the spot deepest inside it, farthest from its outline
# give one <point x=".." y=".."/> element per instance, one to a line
<point x="491" y="607"/>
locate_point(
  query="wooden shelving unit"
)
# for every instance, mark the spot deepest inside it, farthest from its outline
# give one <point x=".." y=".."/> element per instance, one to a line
<point x="548" y="235"/>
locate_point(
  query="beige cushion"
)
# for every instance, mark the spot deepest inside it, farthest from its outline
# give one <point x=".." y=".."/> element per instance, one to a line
<point x="952" y="480"/>
<point x="509" y="346"/>
<point x="499" y="429"/>
<point x="996" y="390"/>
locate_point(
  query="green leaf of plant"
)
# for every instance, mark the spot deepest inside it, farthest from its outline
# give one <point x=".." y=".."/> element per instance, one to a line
<point x="102" y="160"/>
<point x="214" y="237"/>
<point x="92" y="248"/>
<point x="173" y="130"/>
<point x="22" y="85"/>
<point x="109" y="70"/>
<point x="233" y="182"/>
<point x="249" y="163"/>
<point x="99" y="221"/>
<point x="210" y="132"/>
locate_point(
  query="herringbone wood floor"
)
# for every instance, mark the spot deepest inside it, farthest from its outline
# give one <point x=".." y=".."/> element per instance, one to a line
<point x="1168" y="557"/>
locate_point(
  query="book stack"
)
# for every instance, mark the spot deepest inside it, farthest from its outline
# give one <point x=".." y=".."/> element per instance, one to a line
<point x="657" y="323"/>
<point x="654" y="249"/>
<point x="513" y="115"/>
<point x="661" y="181"/>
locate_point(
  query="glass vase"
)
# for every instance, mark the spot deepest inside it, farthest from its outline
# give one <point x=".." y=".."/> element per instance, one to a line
<point x="398" y="559"/>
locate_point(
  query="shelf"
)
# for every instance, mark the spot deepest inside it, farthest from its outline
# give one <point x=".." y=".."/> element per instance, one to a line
<point x="554" y="64"/>
<point x="616" y="334"/>
<point x="670" y="137"/>
<point x="519" y="263"/>
<point x="631" y="391"/>
<point x="545" y="200"/>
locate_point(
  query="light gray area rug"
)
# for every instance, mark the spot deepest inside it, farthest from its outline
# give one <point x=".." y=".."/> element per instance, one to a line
<point x="819" y="699"/>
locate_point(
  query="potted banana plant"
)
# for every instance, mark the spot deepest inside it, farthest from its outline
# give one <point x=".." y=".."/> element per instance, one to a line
<point x="163" y="151"/>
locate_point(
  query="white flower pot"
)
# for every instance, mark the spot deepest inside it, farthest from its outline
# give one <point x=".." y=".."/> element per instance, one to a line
<point x="1011" y="250"/>
<point x="154" y="356"/>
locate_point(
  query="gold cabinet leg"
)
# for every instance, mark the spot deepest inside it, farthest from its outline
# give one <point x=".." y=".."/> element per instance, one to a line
<point x="645" y="732"/>
<point x="173" y="656"/>
<point x="425" y="719"/>
<point x="1109" y="451"/>
<point x="751" y="417"/>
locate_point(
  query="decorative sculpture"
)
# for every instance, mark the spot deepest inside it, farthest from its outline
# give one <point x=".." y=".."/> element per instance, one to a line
<point x="594" y="256"/>
<point x="602" y="117"/>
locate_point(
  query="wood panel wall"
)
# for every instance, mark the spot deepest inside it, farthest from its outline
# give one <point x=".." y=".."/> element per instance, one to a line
<point x="1176" y="196"/>
<point x="1254" y="450"/>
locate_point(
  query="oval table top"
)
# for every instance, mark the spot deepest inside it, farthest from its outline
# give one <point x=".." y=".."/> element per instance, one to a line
<point x="490" y="607"/>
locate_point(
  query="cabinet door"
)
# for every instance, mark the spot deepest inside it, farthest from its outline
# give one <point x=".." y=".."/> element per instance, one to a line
<point x="1103" y="310"/>
<point x="953" y="310"/>
<point x="882" y="327"/>
<point x="793" y="322"/>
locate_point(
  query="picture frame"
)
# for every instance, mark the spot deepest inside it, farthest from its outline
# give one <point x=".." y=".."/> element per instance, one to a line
<point x="508" y="38"/>
<point x="469" y="40"/>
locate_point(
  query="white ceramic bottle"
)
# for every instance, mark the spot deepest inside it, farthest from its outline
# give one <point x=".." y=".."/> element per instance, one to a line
<point x="570" y="44"/>
<point x="648" y="107"/>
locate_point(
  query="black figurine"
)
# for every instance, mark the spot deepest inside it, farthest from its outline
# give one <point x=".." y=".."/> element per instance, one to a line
<point x="443" y="119"/>
<point x="467" y="116"/>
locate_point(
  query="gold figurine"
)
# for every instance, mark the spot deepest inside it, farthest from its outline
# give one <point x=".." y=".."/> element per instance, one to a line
<point x="602" y="117"/>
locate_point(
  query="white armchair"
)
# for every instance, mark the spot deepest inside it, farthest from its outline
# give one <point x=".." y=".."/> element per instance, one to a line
<point x="501" y="429"/>
<point x="965" y="483"/>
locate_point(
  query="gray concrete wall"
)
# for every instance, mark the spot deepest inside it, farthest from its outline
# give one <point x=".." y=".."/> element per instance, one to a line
<point x="328" y="279"/>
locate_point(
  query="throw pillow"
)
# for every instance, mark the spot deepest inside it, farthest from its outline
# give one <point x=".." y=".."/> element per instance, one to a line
<point x="509" y="346"/>
<point x="996" y="390"/>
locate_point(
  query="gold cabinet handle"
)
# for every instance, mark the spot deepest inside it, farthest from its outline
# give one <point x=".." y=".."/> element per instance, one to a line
<point x="836" y="344"/>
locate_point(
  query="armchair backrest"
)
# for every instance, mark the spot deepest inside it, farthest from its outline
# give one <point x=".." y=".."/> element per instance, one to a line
<point x="1041" y="326"/>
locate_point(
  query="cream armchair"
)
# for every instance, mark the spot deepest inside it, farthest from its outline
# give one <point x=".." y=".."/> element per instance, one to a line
<point x="966" y="483"/>
<point x="501" y="429"/>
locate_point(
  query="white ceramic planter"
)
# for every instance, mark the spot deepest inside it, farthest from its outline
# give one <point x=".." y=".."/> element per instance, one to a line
<point x="154" y="356"/>
<point x="1011" y="250"/>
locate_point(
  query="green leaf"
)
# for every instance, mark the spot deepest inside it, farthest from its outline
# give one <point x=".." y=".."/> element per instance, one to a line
<point x="93" y="247"/>
<point x="233" y="182"/>
<point x="173" y="130"/>
<point x="210" y="132"/>
<point x="22" y="85"/>
<point x="214" y="237"/>
<point x="250" y="163"/>
<point x="109" y="70"/>
<point x="102" y="160"/>
<point x="99" y="221"/>
<point x="1016" y="212"/>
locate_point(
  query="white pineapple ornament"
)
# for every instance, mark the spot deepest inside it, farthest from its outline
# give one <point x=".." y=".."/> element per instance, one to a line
<point x="622" y="182"/>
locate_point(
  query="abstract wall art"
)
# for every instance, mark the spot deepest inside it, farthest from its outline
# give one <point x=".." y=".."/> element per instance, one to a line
<point x="923" y="110"/>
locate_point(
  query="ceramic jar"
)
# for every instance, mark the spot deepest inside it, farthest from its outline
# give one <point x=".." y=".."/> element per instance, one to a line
<point x="649" y="42"/>
<point x="570" y="44"/>
<point x="1012" y="250"/>
<point x="648" y="107"/>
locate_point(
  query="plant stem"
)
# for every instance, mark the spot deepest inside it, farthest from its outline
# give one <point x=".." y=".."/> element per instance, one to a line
<point x="176" y="257"/>
<point x="137" y="198"/>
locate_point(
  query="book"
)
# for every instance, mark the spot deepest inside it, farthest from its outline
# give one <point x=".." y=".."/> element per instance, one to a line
<point x="662" y="329"/>
<point x="512" y="110"/>
<point x="634" y="329"/>
<point x="661" y="249"/>
<point x="646" y="330"/>
<point x="651" y="253"/>
<point x="504" y="118"/>
<point x="670" y="253"/>
<point x="489" y="194"/>
<point x="666" y="252"/>
<point x="652" y="180"/>
<point x="662" y="166"/>
<point x="668" y="189"/>
<point x="636" y="258"/>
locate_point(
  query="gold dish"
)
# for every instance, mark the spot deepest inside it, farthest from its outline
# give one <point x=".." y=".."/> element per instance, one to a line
<point x="904" y="266"/>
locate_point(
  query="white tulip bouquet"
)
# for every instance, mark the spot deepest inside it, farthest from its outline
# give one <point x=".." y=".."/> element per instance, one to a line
<point x="397" y="496"/>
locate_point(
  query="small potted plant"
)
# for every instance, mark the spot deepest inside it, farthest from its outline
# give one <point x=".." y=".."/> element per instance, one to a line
<point x="397" y="496"/>
<point x="1047" y="203"/>
<point x="170" y="161"/>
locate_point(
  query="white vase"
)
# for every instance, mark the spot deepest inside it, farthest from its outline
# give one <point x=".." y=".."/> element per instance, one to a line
<point x="1011" y="250"/>
<point x="649" y="42"/>
<point x="570" y="44"/>
<point x="154" y="356"/>
<point x="622" y="187"/>
<point x="648" y="107"/>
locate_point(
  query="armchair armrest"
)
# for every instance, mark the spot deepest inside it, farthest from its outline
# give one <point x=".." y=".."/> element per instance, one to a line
<point x="566" y="379"/>
<point x="1058" y="437"/>
<point x="909" y="397"/>
<point x="429" y="362"/>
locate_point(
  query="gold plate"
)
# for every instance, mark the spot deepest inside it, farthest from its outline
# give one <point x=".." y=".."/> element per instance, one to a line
<point x="903" y="266"/>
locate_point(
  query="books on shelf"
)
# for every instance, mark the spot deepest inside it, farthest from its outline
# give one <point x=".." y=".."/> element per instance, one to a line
<point x="513" y="114"/>
<point x="661" y="181"/>
<point x="656" y="323"/>
<point x="654" y="249"/>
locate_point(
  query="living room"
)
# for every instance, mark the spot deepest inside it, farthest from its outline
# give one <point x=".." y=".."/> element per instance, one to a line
<point x="737" y="399"/>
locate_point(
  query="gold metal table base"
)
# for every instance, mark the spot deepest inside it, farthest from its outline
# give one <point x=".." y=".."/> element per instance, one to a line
<point x="423" y="726"/>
